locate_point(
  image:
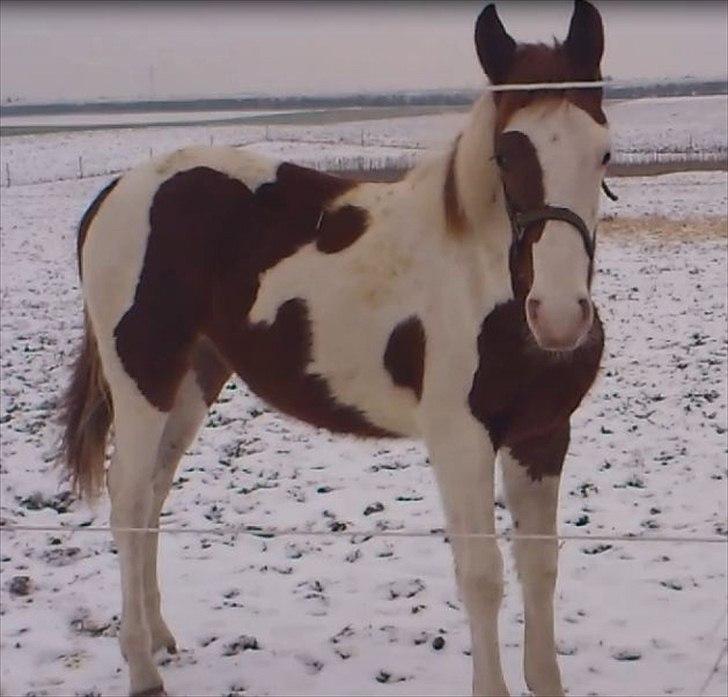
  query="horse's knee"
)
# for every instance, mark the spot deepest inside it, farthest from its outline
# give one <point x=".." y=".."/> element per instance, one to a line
<point x="479" y="570"/>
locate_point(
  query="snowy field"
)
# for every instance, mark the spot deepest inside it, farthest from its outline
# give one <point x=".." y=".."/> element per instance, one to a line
<point x="140" y="118"/>
<point x="640" y="130"/>
<point x="359" y="615"/>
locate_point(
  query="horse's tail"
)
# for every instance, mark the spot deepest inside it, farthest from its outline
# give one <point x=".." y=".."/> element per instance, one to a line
<point x="86" y="417"/>
<point x="86" y="411"/>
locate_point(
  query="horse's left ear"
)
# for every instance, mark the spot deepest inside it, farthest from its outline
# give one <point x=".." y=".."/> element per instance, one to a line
<point x="495" y="46"/>
<point x="585" y="42"/>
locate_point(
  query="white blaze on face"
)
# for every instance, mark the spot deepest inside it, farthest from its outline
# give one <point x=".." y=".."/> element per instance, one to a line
<point x="570" y="146"/>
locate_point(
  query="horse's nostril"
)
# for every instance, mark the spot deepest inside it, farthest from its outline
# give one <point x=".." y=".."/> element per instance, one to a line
<point x="533" y="306"/>
<point x="585" y="306"/>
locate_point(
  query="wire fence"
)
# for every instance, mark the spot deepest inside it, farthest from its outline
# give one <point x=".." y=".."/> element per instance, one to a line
<point x="81" y="168"/>
<point x="341" y="529"/>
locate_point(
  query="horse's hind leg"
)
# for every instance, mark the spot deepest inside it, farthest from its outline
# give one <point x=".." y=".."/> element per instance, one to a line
<point x="198" y="390"/>
<point x="138" y="428"/>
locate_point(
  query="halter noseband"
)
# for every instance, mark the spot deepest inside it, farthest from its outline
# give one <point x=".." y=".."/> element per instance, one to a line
<point x="520" y="221"/>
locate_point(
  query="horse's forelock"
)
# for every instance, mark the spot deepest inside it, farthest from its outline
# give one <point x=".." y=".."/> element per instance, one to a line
<point x="540" y="63"/>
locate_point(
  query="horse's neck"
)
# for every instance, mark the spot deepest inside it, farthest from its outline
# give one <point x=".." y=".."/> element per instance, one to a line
<point x="479" y="186"/>
<point x="476" y="252"/>
<point x="477" y="190"/>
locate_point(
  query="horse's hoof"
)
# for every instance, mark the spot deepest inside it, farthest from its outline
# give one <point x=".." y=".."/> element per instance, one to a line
<point x="172" y="647"/>
<point x="157" y="691"/>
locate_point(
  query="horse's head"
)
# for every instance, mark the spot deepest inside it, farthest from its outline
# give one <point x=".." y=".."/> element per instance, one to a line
<point x="551" y="148"/>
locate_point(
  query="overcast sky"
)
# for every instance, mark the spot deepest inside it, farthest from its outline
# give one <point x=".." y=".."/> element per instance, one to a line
<point x="87" y="50"/>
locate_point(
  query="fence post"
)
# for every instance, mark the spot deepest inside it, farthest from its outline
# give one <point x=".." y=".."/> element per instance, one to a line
<point x="80" y="167"/>
<point x="7" y="172"/>
<point x="212" y="140"/>
<point x="267" y="132"/>
<point x="151" y="153"/>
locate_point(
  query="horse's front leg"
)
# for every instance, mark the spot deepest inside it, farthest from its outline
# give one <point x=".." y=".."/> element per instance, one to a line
<point x="531" y="474"/>
<point x="463" y="458"/>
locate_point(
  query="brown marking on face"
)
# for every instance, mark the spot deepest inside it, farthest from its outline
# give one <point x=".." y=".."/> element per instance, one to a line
<point x="524" y="396"/>
<point x="211" y="239"/>
<point x="404" y="357"/>
<point x="523" y="185"/>
<point x="210" y="368"/>
<point x="454" y="216"/>
<point x="88" y="218"/>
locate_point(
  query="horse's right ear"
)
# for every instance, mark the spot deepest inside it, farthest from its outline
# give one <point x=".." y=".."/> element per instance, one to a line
<point x="496" y="48"/>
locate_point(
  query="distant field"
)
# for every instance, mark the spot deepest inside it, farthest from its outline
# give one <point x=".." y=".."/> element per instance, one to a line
<point x="29" y="125"/>
<point x="650" y="136"/>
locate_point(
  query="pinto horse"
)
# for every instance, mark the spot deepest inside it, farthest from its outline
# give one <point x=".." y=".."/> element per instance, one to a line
<point x="453" y="306"/>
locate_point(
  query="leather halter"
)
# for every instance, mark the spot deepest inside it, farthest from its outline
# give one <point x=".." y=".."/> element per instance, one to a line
<point x="520" y="221"/>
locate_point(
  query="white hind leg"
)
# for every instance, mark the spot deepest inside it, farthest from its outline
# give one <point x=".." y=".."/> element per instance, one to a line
<point x="183" y="423"/>
<point x="138" y="428"/>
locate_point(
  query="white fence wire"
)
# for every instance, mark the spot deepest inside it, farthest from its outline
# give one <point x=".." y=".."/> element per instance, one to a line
<point x="342" y="530"/>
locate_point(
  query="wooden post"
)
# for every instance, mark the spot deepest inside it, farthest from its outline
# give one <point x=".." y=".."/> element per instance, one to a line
<point x="80" y="167"/>
<point x="7" y="172"/>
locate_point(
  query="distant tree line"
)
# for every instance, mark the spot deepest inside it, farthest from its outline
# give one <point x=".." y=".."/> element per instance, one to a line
<point x="463" y="97"/>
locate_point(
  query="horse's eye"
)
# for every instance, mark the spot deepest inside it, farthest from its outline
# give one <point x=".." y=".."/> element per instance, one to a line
<point x="500" y="159"/>
<point x="606" y="158"/>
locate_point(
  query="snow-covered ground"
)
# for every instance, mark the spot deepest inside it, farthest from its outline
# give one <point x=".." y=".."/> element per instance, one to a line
<point x="341" y="615"/>
<point x="640" y="129"/>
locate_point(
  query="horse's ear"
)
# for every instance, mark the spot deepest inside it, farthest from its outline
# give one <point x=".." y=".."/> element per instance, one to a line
<point x="494" y="45"/>
<point x="585" y="42"/>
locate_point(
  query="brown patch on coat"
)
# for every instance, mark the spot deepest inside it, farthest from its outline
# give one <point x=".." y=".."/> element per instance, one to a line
<point x="340" y="228"/>
<point x="404" y="357"/>
<point x="524" y="395"/>
<point x="455" y="219"/>
<point x="211" y="240"/>
<point x="537" y="63"/>
<point x="88" y="218"/>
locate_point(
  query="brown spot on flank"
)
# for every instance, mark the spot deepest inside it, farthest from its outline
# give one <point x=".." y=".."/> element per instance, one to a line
<point x="523" y="395"/>
<point x="88" y="218"/>
<point x="211" y="239"/>
<point x="404" y="357"/>
<point x="454" y="216"/>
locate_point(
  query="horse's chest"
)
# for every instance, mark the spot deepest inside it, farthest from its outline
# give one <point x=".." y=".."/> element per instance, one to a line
<point x="520" y="392"/>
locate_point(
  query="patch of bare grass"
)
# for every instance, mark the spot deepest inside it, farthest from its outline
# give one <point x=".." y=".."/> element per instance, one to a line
<point x="661" y="227"/>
